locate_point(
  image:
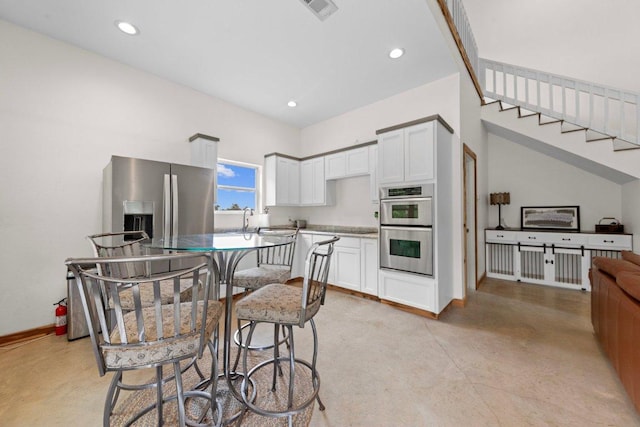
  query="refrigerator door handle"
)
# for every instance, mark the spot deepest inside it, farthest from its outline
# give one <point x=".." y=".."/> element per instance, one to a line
<point x="174" y="204"/>
<point x="166" y="207"/>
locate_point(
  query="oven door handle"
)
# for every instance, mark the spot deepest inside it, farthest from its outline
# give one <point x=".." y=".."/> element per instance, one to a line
<point x="406" y="227"/>
<point x="406" y="199"/>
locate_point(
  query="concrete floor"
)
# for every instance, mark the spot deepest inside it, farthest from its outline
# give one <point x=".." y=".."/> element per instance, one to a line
<point x="516" y="355"/>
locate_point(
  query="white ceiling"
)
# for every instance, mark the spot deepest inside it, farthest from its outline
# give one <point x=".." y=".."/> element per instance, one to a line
<point x="258" y="54"/>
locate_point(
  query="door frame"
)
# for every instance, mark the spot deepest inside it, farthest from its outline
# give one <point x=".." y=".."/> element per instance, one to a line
<point x="468" y="153"/>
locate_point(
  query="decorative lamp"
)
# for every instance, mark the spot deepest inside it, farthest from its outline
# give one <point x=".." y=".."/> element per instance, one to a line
<point x="499" y="199"/>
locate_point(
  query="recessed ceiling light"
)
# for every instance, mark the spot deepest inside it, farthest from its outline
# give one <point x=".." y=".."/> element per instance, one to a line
<point x="292" y="103"/>
<point x="127" y="28"/>
<point x="396" y="53"/>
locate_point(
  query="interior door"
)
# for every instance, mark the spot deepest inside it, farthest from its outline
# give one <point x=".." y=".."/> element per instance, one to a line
<point x="470" y="220"/>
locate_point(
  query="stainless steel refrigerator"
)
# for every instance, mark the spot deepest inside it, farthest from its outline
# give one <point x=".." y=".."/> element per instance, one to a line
<point x="163" y="199"/>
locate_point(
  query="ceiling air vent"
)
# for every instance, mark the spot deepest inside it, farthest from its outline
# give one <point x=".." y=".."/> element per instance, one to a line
<point x="321" y="8"/>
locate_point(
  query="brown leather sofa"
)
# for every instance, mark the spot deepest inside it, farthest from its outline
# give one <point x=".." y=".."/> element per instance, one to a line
<point x="615" y="315"/>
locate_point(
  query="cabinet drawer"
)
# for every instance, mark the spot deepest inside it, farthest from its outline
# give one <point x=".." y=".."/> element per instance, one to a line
<point x="500" y="236"/>
<point x="533" y="237"/>
<point x="567" y="239"/>
<point x="349" y="242"/>
<point x="610" y="241"/>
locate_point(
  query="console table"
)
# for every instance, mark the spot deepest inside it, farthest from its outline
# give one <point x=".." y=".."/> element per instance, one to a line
<point x="548" y="257"/>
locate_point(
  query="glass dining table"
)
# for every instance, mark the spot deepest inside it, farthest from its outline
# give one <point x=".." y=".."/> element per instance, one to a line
<point x="228" y="249"/>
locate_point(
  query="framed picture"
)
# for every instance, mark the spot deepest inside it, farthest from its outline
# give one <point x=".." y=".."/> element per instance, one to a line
<point x="550" y="218"/>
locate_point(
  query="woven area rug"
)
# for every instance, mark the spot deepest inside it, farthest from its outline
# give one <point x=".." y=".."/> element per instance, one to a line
<point x="265" y="397"/>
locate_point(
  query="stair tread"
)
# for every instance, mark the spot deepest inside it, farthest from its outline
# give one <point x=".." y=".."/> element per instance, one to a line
<point x="571" y="127"/>
<point x="622" y="145"/>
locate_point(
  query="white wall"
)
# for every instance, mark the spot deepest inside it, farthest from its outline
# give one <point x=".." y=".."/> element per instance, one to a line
<point x="534" y="179"/>
<point x="475" y="136"/>
<point x="63" y="113"/>
<point x="360" y="125"/>
<point x="631" y="211"/>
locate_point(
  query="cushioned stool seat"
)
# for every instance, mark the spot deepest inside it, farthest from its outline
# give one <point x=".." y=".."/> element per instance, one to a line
<point x="183" y="344"/>
<point x="275" y="303"/>
<point x="257" y="277"/>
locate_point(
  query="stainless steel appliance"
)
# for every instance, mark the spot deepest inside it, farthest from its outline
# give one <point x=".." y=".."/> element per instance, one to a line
<point x="406" y="228"/>
<point x="163" y="199"/>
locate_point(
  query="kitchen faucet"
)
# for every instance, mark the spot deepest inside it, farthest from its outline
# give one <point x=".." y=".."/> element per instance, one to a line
<point x="245" y="220"/>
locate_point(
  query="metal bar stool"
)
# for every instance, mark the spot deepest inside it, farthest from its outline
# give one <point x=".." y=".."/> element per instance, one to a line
<point x="287" y="306"/>
<point x="153" y="334"/>
<point x="273" y="266"/>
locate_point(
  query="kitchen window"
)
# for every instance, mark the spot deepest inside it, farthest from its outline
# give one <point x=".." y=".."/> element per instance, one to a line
<point x="238" y="186"/>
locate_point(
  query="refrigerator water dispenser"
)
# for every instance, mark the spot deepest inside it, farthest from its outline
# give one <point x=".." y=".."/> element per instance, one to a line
<point x="138" y="216"/>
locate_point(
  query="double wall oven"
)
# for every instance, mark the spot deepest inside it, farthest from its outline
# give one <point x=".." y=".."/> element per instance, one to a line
<point x="406" y="228"/>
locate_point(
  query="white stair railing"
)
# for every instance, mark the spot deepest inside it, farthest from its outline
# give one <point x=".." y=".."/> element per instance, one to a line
<point x="461" y="22"/>
<point x="606" y="110"/>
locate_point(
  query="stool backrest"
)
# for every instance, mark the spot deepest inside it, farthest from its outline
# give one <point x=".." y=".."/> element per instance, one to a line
<point x="124" y="243"/>
<point x="111" y="326"/>
<point x="316" y="273"/>
<point x="281" y="255"/>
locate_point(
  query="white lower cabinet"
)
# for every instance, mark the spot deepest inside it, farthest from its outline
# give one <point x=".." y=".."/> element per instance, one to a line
<point x="354" y="263"/>
<point x="369" y="266"/>
<point x="548" y="258"/>
<point x="345" y="264"/>
<point x="408" y="289"/>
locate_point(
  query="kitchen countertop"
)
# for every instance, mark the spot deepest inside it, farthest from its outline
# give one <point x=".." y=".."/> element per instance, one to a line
<point x="346" y="231"/>
<point x="338" y="230"/>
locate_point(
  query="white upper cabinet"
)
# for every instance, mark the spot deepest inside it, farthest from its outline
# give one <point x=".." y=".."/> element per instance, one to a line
<point x="335" y="165"/>
<point x="282" y="181"/>
<point x="314" y="190"/>
<point x="373" y="173"/>
<point x="419" y="159"/>
<point x="347" y="163"/>
<point x="391" y="157"/>
<point x="357" y="161"/>
<point x="407" y="155"/>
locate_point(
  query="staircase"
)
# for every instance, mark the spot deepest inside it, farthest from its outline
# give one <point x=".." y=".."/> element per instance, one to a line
<point x="590" y="135"/>
<point x="602" y="113"/>
<point x="583" y="148"/>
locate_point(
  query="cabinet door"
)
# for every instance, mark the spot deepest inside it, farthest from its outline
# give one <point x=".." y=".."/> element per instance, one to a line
<point x="319" y="183"/>
<point x="303" y="243"/>
<point x="282" y="181"/>
<point x="357" y="161"/>
<point x="373" y="173"/>
<point x="419" y="160"/>
<point x="369" y="257"/>
<point x="347" y="267"/>
<point x="391" y="157"/>
<point x="569" y="268"/>
<point x="335" y="165"/>
<point x="306" y="182"/>
<point x="500" y="261"/>
<point x="530" y="264"/>
<point x="293" y="185"/>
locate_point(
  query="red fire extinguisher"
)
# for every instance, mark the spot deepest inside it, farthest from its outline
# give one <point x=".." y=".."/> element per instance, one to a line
<point x="61" y="317"/>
